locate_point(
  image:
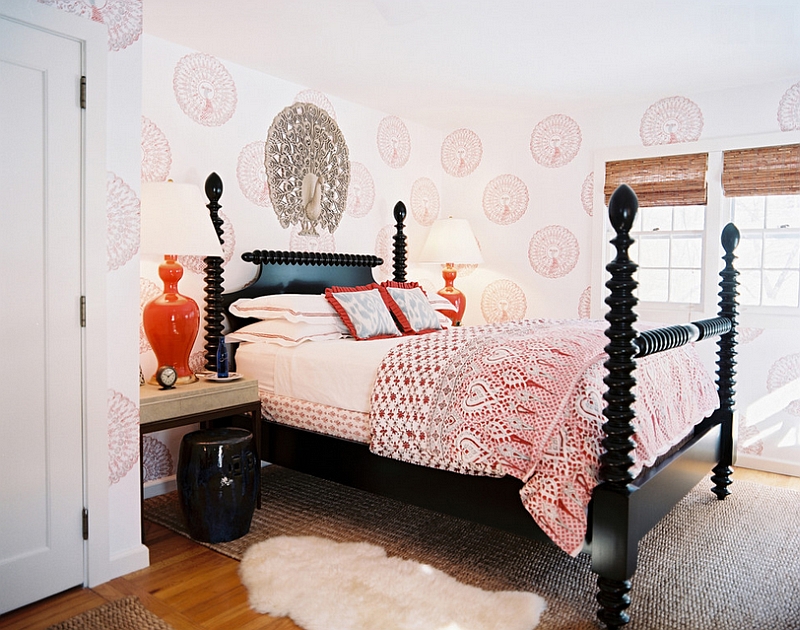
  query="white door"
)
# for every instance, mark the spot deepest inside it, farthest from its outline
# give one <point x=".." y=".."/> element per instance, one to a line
<point x="41" y="475"/>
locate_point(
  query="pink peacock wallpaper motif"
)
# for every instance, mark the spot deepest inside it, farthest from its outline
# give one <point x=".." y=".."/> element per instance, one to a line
<point x="461" y="152"/>
<point x="749" y="440"/>
<point x="122" y="211"/>
<point x="671" y="120"/>
<point x="585" y="304"/>
<point x="747" y="334"/>
<point x="502" y="301"/>
<point x="123" y="435"/>
<point x="251" y="174"/>
<point x="122" y="18"/>
<point x="156" y="459"/>
<point x="394" y="142"/>
<point x="360" y="192"/>
<point x="553" y="251"/>
<point x="204" y="89"/>
<point x="156" y="154"/>
<point x="505" y="199"/>
<point x="587" y="194"/>
<point x="555" y="141"/>
<point x="425" y="202"/>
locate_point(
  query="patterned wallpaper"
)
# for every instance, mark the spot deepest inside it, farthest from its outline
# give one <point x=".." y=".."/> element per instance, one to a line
<point x="526" y="188"/>
<point x="532" y="214"/>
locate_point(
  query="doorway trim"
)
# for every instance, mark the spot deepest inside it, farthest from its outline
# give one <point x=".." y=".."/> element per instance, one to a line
<point x="93" y="37"/>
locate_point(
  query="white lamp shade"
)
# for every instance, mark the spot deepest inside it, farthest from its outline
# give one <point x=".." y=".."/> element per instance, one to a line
<point x="175" y="221"/>
<point x="451" y="241"/>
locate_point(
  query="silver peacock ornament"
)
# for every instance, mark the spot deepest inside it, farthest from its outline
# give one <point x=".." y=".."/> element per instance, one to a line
<point x="308" y="169"/>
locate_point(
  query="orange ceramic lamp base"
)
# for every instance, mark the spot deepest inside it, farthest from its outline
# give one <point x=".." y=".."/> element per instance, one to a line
<point x="171" y="322"/>
<point x="449" y="292"/>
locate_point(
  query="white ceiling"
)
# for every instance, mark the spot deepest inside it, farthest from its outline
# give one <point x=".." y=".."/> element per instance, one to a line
<point x="446" y="62"/>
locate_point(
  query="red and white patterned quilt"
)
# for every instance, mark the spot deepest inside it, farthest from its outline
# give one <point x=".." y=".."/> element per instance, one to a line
<point x="525" y="399"/>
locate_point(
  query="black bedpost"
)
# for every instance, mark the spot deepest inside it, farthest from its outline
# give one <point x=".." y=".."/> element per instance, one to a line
<point x="726" y="362"/>
<point x="615" y="559"/>
<point x="400" y="252"/>
<point x="213" y="280"/>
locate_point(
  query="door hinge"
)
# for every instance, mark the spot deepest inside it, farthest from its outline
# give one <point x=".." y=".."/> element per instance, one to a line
<point x="83" y="92"/>
<point x="83" y="311"/>
<point x="85" y="524"/>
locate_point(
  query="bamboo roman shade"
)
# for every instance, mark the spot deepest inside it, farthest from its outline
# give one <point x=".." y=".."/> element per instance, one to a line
<point x="671" y="180"/>
<point x="761" y="171"/>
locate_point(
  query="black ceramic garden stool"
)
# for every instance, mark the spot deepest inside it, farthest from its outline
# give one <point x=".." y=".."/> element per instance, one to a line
<point x="218" y="483"/>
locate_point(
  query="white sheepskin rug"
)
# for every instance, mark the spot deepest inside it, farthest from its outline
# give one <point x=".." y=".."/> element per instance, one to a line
<point x="326" y="585"/>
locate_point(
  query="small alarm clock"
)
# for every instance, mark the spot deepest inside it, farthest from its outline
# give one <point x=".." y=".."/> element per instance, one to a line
<point x="166" y="376"/>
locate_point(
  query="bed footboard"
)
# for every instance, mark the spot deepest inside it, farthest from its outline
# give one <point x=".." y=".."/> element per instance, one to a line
<point x="617" y="520"/>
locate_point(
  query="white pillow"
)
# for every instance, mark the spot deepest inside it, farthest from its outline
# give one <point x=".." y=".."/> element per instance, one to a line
<point x="285" y="333"/>
<point x="293" y="307"/>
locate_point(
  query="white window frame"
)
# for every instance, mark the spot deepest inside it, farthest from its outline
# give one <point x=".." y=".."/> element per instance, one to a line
<point x="718" y="212"/>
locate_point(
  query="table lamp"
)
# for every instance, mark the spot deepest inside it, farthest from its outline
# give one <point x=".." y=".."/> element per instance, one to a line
<point x="451" y="241"/>
<point x="174" y="221"/>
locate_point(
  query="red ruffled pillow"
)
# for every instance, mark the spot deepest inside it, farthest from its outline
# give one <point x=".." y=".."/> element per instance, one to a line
<point x="365" y="311"/>
<point x="418" y="316"/>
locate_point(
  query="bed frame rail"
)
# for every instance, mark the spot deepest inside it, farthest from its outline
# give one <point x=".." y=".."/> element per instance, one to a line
<point x="669" y="337"/>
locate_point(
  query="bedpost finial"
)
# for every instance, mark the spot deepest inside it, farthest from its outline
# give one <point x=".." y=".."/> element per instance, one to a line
<point x="730" y="238"/>
<point x="622" y="208"/>
<point x="213" y="187"/>
<point x="399" y="212"/>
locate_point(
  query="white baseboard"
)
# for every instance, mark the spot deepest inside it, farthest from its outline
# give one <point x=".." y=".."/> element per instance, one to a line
<point x="767" y="464"/>
<point x="159" y="486"/>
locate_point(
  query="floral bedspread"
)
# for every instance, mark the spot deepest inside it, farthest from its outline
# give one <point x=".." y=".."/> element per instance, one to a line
<point x="525" y="399"/>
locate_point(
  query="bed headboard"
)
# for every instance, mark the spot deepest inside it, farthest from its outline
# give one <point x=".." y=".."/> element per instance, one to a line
<point x="300" y="272"/>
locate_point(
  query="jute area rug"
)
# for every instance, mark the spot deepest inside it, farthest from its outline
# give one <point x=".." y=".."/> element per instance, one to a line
<point x="708" y="565"/>
<point x="127" y="613"/>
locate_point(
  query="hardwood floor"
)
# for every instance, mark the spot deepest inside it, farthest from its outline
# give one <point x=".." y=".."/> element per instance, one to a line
<point x="192" y="587"/>
<point x="188" y="585"/>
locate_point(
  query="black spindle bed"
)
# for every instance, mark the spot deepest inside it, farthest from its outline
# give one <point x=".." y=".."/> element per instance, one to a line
<point x="622" y="509"/>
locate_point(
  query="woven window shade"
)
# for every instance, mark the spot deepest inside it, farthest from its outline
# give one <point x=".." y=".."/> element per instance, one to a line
<point x="672" y="180"/>
<point x="761" y="171"/>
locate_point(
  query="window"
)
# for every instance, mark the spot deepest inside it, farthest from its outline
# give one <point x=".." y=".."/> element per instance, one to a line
<point x="763" y="185"/>
<point x="684" y="202"/>
<point x="669" y="252"/>
<point x="669" y="227"/>
<point x="769" y="249"/>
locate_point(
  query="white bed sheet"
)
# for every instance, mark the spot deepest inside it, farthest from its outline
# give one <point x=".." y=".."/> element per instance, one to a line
<point x="339" y="373"/>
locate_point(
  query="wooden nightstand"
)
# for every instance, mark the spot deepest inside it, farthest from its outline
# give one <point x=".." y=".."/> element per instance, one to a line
<point x="199" y="402"/>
